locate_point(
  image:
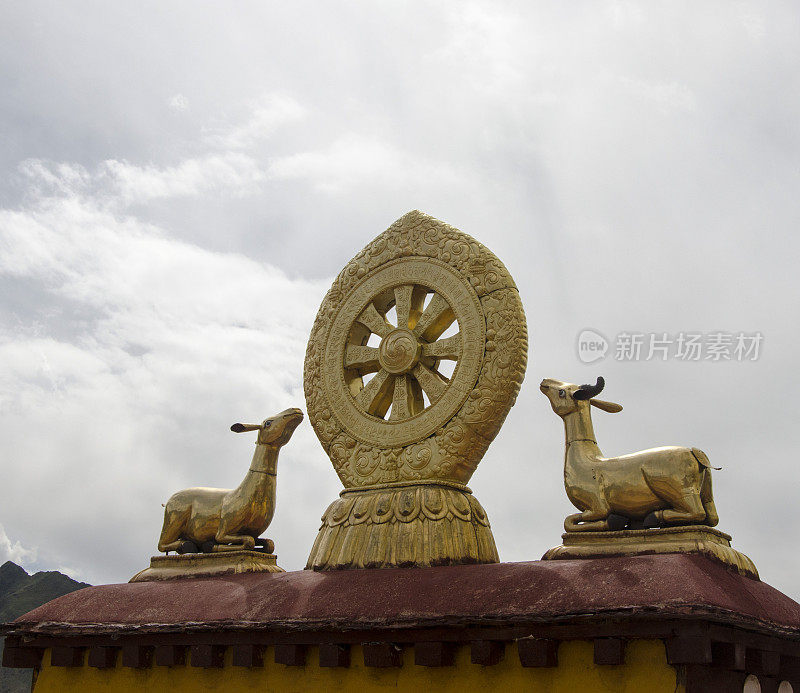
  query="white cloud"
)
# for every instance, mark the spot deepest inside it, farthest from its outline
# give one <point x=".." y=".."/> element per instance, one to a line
<point x="625" y="14"/>
<point x="45" y="178"/>
<point x="265" y="116"/>
<point x="484" y="44"/>
<point x="14" y="551"/>
<point x="355" y="161"/>
<point x="72" y="571"/>
<point x="107" y="421"/>
<point x="117" y="183"/>
<point x="221" y="169"/>
<point x="751" y="17"/>
<point x="178" y="103"/>
<point x="667" y="98"/>
<point x="230" y="172"/>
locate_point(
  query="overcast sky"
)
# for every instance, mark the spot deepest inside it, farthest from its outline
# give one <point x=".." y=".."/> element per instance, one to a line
<point x="180" y="184"/>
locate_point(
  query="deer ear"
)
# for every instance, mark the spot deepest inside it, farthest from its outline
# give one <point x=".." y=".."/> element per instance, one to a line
<point x="610" y="407"/>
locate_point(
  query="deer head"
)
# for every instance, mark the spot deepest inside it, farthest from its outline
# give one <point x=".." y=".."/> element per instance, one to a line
<point x="275" y="431"/>
<point x="566" y="398"/>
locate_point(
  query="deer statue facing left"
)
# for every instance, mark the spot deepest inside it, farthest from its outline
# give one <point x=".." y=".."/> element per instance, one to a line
<point x="216" y="519"/>
<point x="661" y="486"/>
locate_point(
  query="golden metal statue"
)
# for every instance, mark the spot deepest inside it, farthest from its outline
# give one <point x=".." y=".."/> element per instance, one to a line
<point x="654" y="501"/>
<point x="414" y="360"/>
<point x="231" y="519"/>
<point x="661" y="486"/>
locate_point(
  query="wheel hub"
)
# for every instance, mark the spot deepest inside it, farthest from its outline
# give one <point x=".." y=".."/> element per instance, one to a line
<point x="399" y="351"/>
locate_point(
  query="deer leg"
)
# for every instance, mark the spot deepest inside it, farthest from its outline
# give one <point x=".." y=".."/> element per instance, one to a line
<point x="240" y="546"/>
<point x="170" y="546"/>
<point x="707" y="497"/>
<point x="686" y="510"/>
<point x="229" y="535"/>
<point x="234" y="542"/>
<point x="593" y="520"/>
<point x="227" y="541"/>
<point x="174" y="522"/>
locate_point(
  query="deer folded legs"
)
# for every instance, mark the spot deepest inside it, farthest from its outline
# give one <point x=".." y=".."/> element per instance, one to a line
<point x="234" y="542"/>
<point x="587" y="521"/>
<point x="688" y="509"/>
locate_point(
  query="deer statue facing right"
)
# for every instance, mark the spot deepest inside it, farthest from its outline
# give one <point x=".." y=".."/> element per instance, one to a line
<point x="229" y="519"/>
<point x="661" y="486"/>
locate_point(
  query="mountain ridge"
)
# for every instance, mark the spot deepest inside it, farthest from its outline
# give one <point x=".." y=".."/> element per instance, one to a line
<point x="19" y="593"/>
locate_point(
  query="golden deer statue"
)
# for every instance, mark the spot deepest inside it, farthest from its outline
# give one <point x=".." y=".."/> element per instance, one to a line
<point x="651" y="488"/>
<point x="218" y="519"/>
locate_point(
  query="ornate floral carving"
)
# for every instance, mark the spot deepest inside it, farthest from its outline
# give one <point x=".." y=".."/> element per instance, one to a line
<point x="412" y="423"/>
<point x="420" y="525"/>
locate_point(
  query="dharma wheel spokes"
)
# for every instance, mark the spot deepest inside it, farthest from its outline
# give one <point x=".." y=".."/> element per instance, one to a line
<point x="415" y="358"/>
<point x="406" y="360"/>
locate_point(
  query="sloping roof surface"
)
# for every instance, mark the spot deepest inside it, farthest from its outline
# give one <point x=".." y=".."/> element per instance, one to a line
<point x="673" y="585"/>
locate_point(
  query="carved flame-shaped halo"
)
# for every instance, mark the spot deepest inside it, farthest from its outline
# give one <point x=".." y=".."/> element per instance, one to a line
<point x="416" y="356"/>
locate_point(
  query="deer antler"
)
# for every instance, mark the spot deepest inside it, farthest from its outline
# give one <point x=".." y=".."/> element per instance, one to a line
<point x="589" y="391"/>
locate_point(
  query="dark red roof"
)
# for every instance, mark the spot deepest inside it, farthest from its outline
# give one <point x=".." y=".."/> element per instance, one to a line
<point x="675" y="585"/>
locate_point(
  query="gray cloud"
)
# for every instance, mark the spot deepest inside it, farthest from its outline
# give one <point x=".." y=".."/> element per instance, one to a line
<point x="180" y="184"/>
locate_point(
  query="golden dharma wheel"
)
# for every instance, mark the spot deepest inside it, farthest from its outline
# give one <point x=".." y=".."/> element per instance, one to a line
<point x="415" y="358"/>
<point x="384" y="361"/>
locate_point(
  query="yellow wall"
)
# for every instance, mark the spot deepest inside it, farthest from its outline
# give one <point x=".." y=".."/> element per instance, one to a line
<point x="645" y="669"/>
